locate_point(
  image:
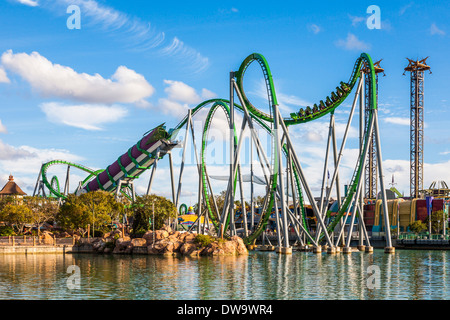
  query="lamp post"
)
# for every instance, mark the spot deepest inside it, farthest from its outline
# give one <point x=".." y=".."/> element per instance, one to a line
<point x="439" y="226"/>
<point x="153" y="222"/>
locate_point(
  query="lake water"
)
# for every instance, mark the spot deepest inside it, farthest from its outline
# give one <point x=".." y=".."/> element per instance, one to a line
<point x="258" y="276"/>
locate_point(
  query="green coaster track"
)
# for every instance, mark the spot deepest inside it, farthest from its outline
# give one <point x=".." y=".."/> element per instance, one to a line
<point x="319" y="110"/>
<point x="264" y="120"/>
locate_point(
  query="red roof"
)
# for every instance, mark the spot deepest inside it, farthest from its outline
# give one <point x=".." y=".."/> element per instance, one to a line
<point x="11" y="188"/>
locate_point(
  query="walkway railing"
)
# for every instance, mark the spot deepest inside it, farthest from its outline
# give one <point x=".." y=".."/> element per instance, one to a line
<point x="413" y="236"/>
<point x="35" y="241"/>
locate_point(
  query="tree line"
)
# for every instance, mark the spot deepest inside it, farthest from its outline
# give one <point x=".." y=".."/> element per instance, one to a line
<point x="95" y="211"/>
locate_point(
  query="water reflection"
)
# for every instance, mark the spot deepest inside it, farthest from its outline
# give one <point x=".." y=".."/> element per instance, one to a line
<point x="261" y="275"/>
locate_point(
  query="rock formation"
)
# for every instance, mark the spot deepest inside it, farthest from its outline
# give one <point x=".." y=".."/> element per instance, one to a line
<point x="168" y="242"/>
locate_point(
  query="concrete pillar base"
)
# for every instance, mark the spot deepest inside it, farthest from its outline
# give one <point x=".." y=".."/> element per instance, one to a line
<point x="389" y="250"/>
<point x="250" y="247"/>
<point x="369" y="249"/>
<point x="338" y="249"/>
<point x="331" y="250"/>
<point x="347" y="250"/>
<point x="361" y="247"/>
<point x="317" y="249"/>
<point x="284" y="250"/>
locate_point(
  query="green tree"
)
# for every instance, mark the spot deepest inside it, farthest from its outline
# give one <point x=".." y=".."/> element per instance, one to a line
<point x="103" y="207"/>
<point x="437" y="221"/>
<point x="95" y="208"/>
<point x="74" y="215"/>
<point x="417" y="226"/>
<point x="143" y="212"/>
<point x="16" y="215"/>
<point x="43" y="210"/>
<point x="6" y="200"/>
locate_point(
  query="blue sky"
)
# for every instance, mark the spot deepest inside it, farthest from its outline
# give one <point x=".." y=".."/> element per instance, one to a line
<point x="86" y="95"/>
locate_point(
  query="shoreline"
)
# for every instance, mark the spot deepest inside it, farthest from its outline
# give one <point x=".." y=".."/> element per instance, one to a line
<point x="89" y="249"/>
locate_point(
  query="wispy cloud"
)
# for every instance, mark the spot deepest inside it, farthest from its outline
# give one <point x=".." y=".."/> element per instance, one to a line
<point x="314" y="28"/>
<point x="405" y="8"/>
<point x="136" y="34"/>
<point x="352" y="43"/>
<point x="31" y="3"/>
<point x="229" y="11"/>
<point x="178" y="50"/>
<point x="356" y="20"/>
<point x="435" y="30"/>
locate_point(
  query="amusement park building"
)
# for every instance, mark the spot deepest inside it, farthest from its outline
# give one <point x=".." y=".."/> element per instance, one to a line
<point x="12" y="189"/>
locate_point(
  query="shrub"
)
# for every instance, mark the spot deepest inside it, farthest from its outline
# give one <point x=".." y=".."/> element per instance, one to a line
<point x="110" y="244"/>
<point x="203" y="240"/>
<point x="98" y="233"/>
<point x="7" y="231"/>
<point x="138" y="234"/>
<point x="417" y="226"/>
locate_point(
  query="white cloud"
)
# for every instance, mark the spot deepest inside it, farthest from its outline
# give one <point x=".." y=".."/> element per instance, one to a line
<point x="287" y="102"/>
<point x="3" y="128"/>
<point x="207" y="94"/>
<point x="352" y="43"/>
<point x="398" y="120"/>
<point x="88" y="117"/>
<point x="55" y="80"/>
<point x="8" y="152"/>
<point x="181" y="97"/>
<point x="3" y="77"/>
<point x="180" y="91"/>
<point x="31" y="3"/>
<point x="170" y="107"/>
<point x="314" y="28"/>
<point x="25" y="162"/>
<point x="291" y="100"/>
<point x="435" y="30"/>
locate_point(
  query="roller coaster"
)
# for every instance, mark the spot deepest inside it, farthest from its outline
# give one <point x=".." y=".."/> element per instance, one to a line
<point x="281" y="168"/>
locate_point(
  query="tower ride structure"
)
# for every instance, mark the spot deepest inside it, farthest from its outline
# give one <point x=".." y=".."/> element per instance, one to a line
<point x="416" y="69"/>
